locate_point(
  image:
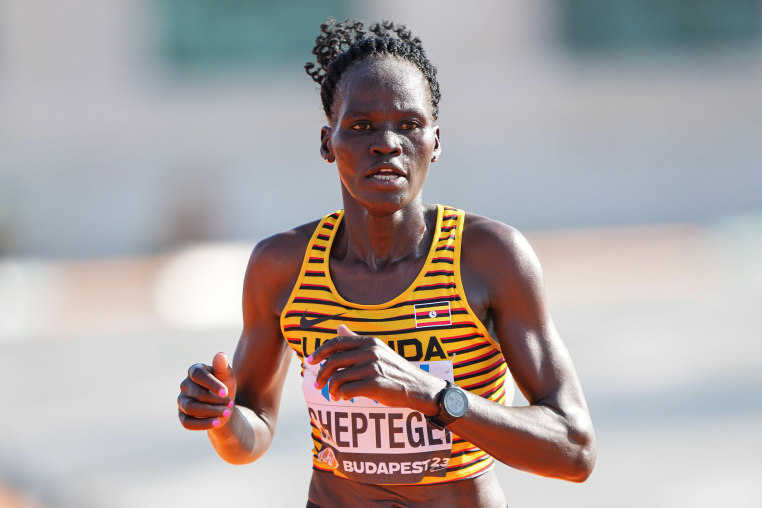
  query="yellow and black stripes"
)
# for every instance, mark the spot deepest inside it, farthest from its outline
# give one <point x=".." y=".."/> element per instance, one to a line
<point x="430" y="320"/>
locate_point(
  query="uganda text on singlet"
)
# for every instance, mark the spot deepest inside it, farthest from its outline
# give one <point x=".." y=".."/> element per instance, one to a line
<point x="429" y="324"/>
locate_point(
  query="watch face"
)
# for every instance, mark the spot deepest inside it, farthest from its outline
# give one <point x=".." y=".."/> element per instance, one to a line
<point x="455" y="402"/>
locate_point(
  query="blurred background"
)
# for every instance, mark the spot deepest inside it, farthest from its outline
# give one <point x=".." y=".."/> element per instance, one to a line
<point x="146" y="146"/>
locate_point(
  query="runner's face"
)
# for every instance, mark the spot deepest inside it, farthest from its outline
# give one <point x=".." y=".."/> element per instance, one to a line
<point x="382" y="134"/>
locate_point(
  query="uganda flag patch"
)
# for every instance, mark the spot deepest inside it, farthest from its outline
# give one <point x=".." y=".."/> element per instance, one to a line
<point x="432" y="314"/>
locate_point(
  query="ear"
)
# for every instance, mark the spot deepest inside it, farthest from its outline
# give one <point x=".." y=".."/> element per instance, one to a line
<point x="437" y="145"/>
<point x="326" y="150"/>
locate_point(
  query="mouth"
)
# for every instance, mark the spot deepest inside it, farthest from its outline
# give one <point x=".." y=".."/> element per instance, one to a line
<point x="386" y="173"/>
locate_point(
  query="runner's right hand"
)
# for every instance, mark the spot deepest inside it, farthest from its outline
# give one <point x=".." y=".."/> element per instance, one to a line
<point x="207" y="395"/>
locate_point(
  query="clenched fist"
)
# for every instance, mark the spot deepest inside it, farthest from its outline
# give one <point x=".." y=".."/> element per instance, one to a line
<point x="207" y="395"/>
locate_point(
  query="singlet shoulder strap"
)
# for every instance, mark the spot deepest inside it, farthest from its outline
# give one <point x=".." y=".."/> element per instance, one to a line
<point x="315" y="262"/>
<point x="458" y="246"/>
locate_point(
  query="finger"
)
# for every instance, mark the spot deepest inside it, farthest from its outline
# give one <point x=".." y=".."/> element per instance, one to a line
<point x="339" y="343"/>
<point x="368" y="381"/>
<point x="344" y="330"/>
<point x="191" y="423"/>
<point x="365" y="387"/>
<point x="223" y="372"/>
<point x="195" y="391"/>
<point x="196" y="409"/>
<point x="343" y="360"/>
<point x="202" y="375"/>
<point x="362" y="377"/>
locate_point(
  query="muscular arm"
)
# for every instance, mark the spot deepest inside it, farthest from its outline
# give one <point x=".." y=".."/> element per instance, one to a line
<point x="261" y="362"/>
<point x="553" y="436"/>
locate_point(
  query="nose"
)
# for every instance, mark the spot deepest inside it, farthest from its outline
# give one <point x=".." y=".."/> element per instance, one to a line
<point x="386" y="142"/>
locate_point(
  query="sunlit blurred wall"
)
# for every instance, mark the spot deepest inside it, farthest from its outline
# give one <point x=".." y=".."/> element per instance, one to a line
<point x="128" y="127"/>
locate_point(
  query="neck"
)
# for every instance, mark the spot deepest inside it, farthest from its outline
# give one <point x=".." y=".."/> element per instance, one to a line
<point x="382" y="240"/>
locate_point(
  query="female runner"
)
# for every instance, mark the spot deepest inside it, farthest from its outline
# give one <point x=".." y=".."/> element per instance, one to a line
<point x="406" y="316"/>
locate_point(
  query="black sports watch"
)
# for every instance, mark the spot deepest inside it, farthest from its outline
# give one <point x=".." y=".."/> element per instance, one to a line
<point x="453" y="404"/>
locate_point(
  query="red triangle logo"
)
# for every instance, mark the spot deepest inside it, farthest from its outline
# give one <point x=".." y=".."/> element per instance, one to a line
<point x="326" y="456"/>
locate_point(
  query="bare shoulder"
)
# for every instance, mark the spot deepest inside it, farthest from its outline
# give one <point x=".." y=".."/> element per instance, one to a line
<point x="497" y="251"/>
<point x="274" y="266"/>
<point x="282" y="250"/>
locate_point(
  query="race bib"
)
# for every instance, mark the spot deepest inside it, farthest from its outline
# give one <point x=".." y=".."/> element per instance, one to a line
<point x="373" y="443"/>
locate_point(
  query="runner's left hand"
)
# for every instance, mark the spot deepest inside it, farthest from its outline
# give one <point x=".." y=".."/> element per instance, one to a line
<point x="364" y="366"/>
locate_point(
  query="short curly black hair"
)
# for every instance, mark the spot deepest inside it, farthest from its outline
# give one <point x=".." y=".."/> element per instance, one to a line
<point x="341" y="44"/>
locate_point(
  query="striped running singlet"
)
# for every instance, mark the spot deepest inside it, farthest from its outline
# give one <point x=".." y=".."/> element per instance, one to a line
<point x="431" y="325"/>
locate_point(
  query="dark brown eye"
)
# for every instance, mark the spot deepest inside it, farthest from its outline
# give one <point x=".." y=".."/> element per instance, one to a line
<point x="409" y="125"/>
<point x="360" y="126"/>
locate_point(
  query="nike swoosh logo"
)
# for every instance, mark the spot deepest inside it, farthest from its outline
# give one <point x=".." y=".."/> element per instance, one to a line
<point x="305" y="322"/>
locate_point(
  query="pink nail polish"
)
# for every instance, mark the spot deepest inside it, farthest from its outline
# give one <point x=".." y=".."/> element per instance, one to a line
<point x="226" y="413"/>
<point x="231" y="403"/>
<point x="223" y="392"/>
<point x="309" y="358"/>
<point x="215" y="423"/>
<point x="316" y="385"/>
